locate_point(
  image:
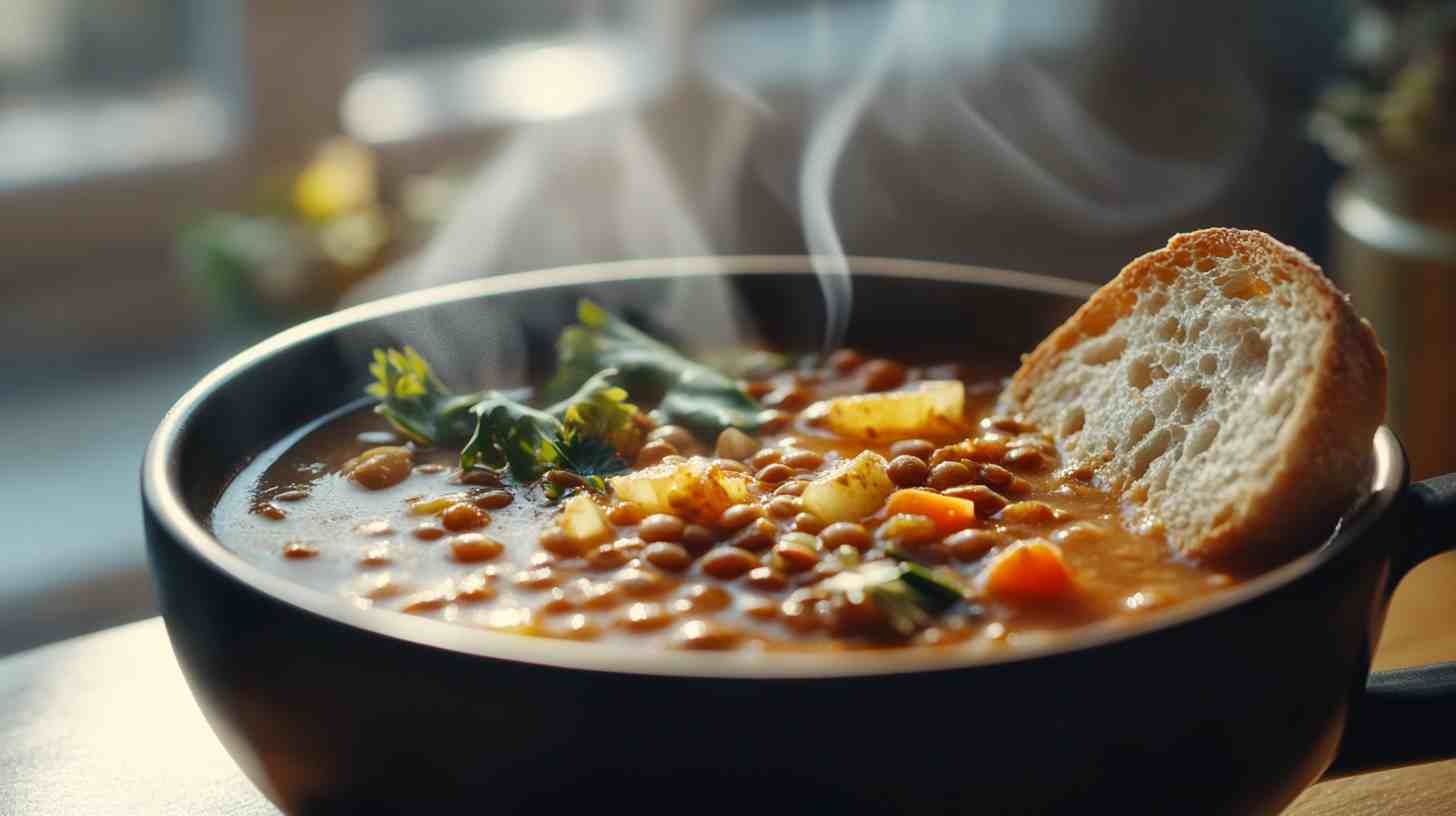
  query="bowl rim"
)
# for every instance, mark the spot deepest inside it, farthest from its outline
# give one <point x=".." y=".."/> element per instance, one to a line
<point x="163" y="497"/>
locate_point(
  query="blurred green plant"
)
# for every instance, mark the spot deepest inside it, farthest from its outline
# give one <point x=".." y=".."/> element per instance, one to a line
<point x="1396" y="100"/>
<point x="308" y="236"/>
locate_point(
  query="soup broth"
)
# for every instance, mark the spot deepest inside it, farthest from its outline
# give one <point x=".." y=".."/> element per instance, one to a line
<point x="965" y="531"/>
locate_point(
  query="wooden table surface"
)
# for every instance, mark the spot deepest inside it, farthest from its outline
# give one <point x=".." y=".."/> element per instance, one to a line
<point x="104" y="724"/>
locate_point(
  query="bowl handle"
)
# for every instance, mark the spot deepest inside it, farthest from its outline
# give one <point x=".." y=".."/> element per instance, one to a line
<point x="1406" y="716"/>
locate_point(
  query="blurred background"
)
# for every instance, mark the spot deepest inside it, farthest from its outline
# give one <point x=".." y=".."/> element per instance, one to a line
<point x="179" y="178"/>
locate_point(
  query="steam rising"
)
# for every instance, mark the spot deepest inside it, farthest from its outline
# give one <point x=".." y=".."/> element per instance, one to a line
<point x="975" y="132"/>
<point x="828" y="138"/>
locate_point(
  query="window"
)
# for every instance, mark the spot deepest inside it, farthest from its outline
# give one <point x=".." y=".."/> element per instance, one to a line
<point x="437" y="66"/>
<point x="89" y="88"/>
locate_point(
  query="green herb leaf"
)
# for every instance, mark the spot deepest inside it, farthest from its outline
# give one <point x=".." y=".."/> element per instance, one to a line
<point x="512" y="436"/>
<point x="937" y="590"/>
<point x="414" y="400"/>
<point x="693" y="395"/>
<point x="909" y="594"/>
<point x="586" y="434"/>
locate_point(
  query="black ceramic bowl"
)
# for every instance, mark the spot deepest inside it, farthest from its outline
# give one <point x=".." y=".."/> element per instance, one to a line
<point x="1233" y="706"/>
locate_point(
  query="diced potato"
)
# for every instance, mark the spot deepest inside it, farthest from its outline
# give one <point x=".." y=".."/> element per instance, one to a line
<point x="935" y="408"/>
<point x="1028" y="570"/>
<point x="851" y="491"/>
<point x="584" y="523"/>
<point x="696" y="490"/>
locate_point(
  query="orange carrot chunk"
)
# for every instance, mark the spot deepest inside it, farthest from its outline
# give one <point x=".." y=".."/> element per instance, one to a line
<point x="949" y="513"/>
<point x="1028" y="570"/>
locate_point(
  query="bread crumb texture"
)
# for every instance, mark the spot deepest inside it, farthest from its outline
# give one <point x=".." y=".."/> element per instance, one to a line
<point x="1223" y="387"/>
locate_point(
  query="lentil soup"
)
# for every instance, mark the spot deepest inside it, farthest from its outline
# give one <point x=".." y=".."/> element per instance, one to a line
<point x="848" y="502"/>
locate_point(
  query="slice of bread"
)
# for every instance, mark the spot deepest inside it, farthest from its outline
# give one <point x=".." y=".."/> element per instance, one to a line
<point x="1223" y="388"/>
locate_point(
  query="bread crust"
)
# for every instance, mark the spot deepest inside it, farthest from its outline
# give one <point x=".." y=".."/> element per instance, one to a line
<point x="1324" y="447"/>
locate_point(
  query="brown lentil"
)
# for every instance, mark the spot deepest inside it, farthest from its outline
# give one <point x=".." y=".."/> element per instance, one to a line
<point x="1028" y="512"/>
<point x="429" y="532"/>
<point x="1081" y="532"/>
<point x="646" y="617"/>
<point x="845" y="533"/>
<point x="554" y="540"/>
<point x="908" y="471"/>
<point x="472" y="547"/>
<point x="478" y="477"/>
<point x="299" y="549"/>
<point x="461" y="516"/>
<point x="803" y="459"/>
<point x="808" y="523"/>
<point x="378" y="468"/>
<point x="1001" y="422"/>
<point x="795" y="556"/>
<point x="775" y="473"/>
<point x="764" y="458"/>
<point x="606" y="557"/>
<point x="994" y="476"/>
<point x="739" y="515"/>
<point x="727" y="563"/>
<point x="882" y="375"/>
<point x="494" y="499"/>
<point x="907" y="528"/>
<point x="791" y="398"/>
<point x="969" y="545"/>
<point x="706" y="636"/>
<point x="764" y="609"/>
<point x="949" y="474"/>
<point x="987" y="501"/>
<point x="766" y="579"/>
<point x="785" y="506"/>
<point x="735" y="444"/>
<point x="1026" y="459"/>
<point x="661" y="527"/>
<point x="793" y="487"/>
<point x="919" y="448"/>
<point x="707" y="598"/>
<point x="376" y="555"/>
<point x="759" y="535"/>
<point x="668" y="556"/>
<point x="475" y="588"/>
<point x="654" y="452"/>
<point x="624" y="513"/>
<point x="564" y="479"/>
<point x="697" y="539"/>
<point x="642" y="583"/>
<point x="675" y="435"/>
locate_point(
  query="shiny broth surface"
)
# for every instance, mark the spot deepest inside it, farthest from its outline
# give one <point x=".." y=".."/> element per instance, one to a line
<point x="1042" y="550"/>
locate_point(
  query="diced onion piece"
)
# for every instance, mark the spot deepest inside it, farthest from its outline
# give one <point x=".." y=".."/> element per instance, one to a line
<point x="584" y="523"/>
<point x="1027" y="570"/>
<point x="934" y="408"/>
<point x="697" y="490"/>
<point x="851" y="491"/>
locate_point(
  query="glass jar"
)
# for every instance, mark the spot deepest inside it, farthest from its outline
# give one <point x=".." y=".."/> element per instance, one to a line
<point x="1394" y="251"/>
